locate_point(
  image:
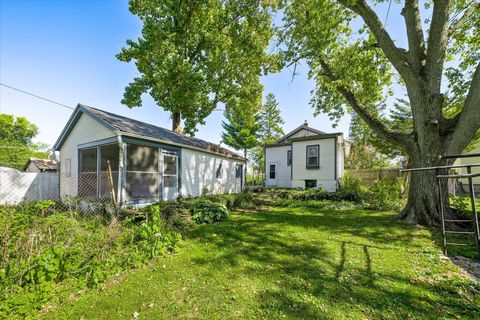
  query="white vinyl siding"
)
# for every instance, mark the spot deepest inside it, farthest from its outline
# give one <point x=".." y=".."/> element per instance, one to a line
<point x="278" y="156"/>
<point x="86" y="130"/>
<point x="324" y="174"/>
<point x="199" y="172"/>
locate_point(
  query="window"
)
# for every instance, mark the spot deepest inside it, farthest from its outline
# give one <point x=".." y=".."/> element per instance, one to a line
<point x="313" y="156"/>
<point x="289" y="157"/>
<point x="272" y="171"/>
<point x="220" y="171"/>
<point x="310" y="184"/>
<point x="170" y="172"/>
<point x="88" y="160"/>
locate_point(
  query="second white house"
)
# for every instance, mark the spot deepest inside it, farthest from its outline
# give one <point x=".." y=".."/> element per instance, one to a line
<point x="306" y="158"/>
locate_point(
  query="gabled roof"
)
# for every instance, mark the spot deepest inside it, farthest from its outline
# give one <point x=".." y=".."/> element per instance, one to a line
<point x="129" y="127"/>
<point x="42" y="164"/>
<point x="299" y="128"/>
<point x="306" y="138"/>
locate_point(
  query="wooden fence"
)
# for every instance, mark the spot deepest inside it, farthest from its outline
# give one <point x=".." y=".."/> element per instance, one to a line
<point x="370" y="177"/>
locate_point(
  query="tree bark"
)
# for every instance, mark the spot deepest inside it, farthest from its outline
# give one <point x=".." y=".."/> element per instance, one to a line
<point x="176" y="122"/>
<point x="423" y="205"/>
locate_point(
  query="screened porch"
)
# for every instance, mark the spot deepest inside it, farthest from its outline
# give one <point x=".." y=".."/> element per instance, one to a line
<point x="140" y="173"/>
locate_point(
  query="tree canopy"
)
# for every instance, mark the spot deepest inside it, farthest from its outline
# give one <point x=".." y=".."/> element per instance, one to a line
<point x="16" y="145"/>
<point x="242" y="125"/>
<point x="193" y="55"/>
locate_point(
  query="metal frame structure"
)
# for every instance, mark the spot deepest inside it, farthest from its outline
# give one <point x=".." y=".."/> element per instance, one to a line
<point x="442" y="173"/>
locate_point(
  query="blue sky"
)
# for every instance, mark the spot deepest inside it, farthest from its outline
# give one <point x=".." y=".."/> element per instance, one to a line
<point x="65" y="51"/>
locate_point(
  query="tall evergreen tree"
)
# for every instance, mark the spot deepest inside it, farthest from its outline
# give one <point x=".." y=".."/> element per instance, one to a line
<point x="271" y="130"/>
<point x="242" y="125"/>
<point x="271" y="120"/>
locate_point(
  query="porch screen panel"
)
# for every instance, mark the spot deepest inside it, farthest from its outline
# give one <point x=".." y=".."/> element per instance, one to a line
<point x="143" y="178"/>
<point x="108" y="153"/>
<point x="87" y="178"/>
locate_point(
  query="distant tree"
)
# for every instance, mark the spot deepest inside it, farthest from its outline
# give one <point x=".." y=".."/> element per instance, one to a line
<point x="271" y="121"/>
<point x="16" y="146"/>
<point x="193" y="55"/>
<point x="271" y="130"/>
<point x="17" y="129"/>
<point x="242" y="125"/>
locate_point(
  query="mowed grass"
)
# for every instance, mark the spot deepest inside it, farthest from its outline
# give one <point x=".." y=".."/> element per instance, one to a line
<point x="292" y="263"/>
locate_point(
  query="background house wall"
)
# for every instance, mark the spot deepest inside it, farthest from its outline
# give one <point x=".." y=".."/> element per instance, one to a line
<point x="283" y="174"/>
<point x="325" y="174"/>
<point x="199" y="172"/>
<point x="86" y="130"/>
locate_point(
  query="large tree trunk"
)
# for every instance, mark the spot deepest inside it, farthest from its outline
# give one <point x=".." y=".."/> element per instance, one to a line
<point x="176" y="122"/>
<point x="426" y="149"/>
<point x="423" y="206"/>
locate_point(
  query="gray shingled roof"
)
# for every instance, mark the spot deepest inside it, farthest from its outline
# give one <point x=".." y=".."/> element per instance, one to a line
<point x="130" y="126"/>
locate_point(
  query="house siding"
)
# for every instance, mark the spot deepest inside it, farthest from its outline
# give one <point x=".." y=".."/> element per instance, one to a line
<point x="86" y="130"/>
<point x="283" y="174"/>
<point x="472" y="160"/>
<point x="199" y="173"/>
<point x="325" y="174"/>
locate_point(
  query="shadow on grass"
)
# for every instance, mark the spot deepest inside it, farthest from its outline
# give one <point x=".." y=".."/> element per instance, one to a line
<point x="321" y="264"/>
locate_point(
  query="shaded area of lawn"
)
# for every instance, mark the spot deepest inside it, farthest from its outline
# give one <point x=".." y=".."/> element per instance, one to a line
<point x="297" y="263"/>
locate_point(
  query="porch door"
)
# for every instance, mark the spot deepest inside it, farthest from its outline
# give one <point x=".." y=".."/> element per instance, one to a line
<point x="272" y="174"/>
<point x="170" y="175"/>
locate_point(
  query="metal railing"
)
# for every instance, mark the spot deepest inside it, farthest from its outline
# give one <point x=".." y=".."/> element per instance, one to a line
<point x="469" y="175"/>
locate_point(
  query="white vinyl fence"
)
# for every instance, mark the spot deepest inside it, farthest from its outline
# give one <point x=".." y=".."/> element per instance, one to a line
<point x="16" y="186"/>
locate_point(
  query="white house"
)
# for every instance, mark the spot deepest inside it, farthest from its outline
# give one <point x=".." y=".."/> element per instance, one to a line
<point x="306" y="158"/>
<point x="148" y="163"/>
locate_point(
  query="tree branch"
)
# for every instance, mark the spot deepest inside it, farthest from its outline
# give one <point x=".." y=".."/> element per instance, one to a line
<point x="468" y="122"/>
<point x="374" y="123"/>
<point x="394" y="54"/>
<point x="472" y="8"/>
<point x="416" y="41"/>
<point x="437" y="44"/>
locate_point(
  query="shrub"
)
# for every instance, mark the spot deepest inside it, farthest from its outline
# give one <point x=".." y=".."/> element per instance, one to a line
<point x="384" y="195"/>
<point x="244" y="200"/>
<point x="205" y="211"/>
<point x="173" y="214"/>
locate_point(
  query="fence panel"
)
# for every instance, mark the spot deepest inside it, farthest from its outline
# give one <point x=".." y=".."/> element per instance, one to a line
<point x="370" y="177"/>
<point x="16" y="186"/>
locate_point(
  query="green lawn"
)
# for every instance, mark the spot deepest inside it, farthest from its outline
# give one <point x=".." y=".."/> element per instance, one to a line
<point x="291" y="263"/>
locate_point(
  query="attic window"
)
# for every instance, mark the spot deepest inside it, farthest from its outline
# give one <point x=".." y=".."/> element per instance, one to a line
<point x="313" y="153"/>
